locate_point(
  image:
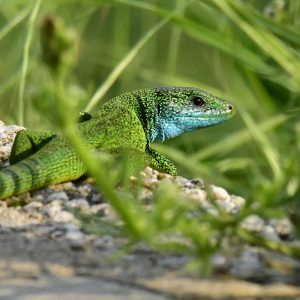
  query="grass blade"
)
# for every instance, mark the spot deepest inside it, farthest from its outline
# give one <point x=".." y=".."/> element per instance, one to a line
<point x="13" y="23"/>
<point x="25" y="61"/>
<point x="127" y="59"/>
<point x="238" y="139"/>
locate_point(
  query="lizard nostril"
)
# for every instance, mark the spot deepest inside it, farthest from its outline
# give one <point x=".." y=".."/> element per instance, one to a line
<point x="230" y="107"/>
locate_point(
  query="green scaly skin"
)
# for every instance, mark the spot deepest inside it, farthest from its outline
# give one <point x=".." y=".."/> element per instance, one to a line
<point x="131" y="121"/>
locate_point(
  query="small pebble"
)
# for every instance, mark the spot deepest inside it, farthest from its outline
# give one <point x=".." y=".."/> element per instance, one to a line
<point x="189" y="184"/>
<point x="232" y="204"/>
<point x="197" y="182"/>
<point x="155" y="173"/>
<point x="79" y="203"/>
<point x="197" y="194"/>
<point x="219" y="262"/>
<point x="179" y="180"/>
<point x="148" y="171"/>
<point x="96" y="198"/>
<point x="57" y="196"/>
<point x="53" y="210"/>
<point x="74" y="233"/>
<point x="253" y="223"/>
<point x="101" y="209"/>
<point x="220" y="193"/>
<point x="33" y="205"/>
<point x="269" y="233"/>
<point x="162" y="176"/>
<point x="249" y="264"/>
<point x="62" y="216"/>
<point x="104" y="242"/>
<point x="283" y="227"/>
<point x="150" y="182"/>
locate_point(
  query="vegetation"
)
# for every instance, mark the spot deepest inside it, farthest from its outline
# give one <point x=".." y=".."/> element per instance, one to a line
<point x="245" y="51"/>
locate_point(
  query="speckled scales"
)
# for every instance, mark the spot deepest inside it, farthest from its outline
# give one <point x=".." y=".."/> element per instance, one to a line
<point x="130" y="122"/>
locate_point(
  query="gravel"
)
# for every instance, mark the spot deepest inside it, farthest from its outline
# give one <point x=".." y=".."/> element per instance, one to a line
<point x="49" y="216"/>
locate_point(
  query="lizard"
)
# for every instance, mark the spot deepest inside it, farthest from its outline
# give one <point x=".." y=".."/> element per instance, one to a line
<point x="130" y="121"/>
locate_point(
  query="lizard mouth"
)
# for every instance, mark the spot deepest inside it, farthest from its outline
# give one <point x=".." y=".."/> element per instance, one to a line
<point x="209" y="114"/>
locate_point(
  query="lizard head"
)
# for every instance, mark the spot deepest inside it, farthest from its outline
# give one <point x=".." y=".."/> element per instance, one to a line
<point x="180" y="110"/>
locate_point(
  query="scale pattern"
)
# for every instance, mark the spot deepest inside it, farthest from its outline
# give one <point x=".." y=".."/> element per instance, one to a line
<point x="130" y="122"/>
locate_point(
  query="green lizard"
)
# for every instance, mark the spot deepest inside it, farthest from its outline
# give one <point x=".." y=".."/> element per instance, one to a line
<point x="131" y="121"/>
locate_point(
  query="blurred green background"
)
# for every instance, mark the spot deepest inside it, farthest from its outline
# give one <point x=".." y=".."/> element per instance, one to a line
<point x="244" y="51"/>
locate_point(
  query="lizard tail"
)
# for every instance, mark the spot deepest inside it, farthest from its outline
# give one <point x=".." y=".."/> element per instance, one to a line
<point x="36" y="172"/>
<point x="20" y="178"/>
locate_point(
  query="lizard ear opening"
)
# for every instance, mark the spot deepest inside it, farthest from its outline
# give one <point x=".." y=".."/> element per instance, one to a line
<point x="198" y="101"/>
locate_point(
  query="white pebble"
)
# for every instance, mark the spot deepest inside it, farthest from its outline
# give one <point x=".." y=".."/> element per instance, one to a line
<point x="232" y="204"/>
<point x="33" y="205"/>
<point x="53" y="210"/>
<point x="57" y="196"/>
<point x="6" y="148"/>
<point x="74" y="235"/>
<point x="269" y="233"/>
<point x="282" y="226"/>
<point x="219" y="192"/>
<point x="197" y="194"/>
<point x="148" y="171"/>
<point x="79" y="203"/>
<point x="253" y="223"/>
<point x="62" y="216"/>
<point x="14" y="128"/>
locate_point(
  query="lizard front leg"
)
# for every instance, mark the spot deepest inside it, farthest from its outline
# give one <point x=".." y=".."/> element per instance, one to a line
<point x="160" y="162"/>
<point x="27" y="142"/>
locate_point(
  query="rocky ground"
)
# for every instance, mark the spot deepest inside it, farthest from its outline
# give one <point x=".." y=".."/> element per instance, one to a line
<point x="44" y="252"/>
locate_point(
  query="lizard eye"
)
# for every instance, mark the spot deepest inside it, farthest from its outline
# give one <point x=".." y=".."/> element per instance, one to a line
<point x="198" y="101"/>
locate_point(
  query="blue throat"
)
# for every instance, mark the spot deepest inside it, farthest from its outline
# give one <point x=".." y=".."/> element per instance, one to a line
<point x="168" y="127"/>
<point x="164" y="130"/>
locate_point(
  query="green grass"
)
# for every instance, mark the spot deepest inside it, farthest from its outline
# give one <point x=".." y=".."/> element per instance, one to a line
<point x="245" y="51"/>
